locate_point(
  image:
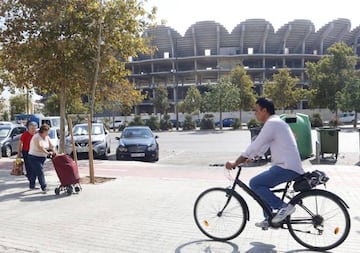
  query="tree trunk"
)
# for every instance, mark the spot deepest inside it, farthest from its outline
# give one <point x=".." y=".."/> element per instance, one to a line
<point x="62" y="117"/>
<point x="240" y="118"/>
<point x="97" y="67"/>
<point x="355" y="120"/>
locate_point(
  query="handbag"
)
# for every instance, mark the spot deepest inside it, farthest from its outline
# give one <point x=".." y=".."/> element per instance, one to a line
<point x="18" y="167"/>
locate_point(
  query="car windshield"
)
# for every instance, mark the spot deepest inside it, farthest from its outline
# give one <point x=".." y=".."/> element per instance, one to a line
<point x="55" y="122"/>
<point x="52" y="134"/>
<point x="137" y="133"/>
<point x="4" y="132"/>
<point x="83" y="130"/>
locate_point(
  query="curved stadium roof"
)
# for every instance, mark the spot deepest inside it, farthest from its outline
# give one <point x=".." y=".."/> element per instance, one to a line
<point x="297" y="37"/>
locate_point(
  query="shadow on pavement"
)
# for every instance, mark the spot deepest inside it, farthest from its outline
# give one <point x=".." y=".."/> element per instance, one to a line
<point x="208" y="246"/>
<point x="259" y="247"/>
<point x="305" y="250"/>
<point x="327" y="161"/>
<point x="357" y="218"/>
<point x="204" y="132"/>
<point x="12" y="196"/>
<point x="39" y="196"/>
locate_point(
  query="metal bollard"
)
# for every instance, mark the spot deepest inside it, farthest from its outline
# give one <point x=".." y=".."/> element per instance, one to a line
<point x="317" y="147"/>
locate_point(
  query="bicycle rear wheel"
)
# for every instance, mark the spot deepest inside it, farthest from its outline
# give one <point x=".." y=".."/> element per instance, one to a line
<point x="220" y="215"/>
<point x="321" y="220"/>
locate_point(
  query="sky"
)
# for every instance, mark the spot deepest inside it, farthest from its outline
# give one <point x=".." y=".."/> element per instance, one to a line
<point x="181" y="14"/>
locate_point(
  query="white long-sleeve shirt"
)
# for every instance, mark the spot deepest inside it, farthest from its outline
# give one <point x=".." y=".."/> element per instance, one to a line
<point x="277" y="136"/>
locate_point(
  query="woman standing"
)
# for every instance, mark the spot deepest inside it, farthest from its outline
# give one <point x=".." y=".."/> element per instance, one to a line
<point x="24" y="146"/>
<point x="39" y="146"/>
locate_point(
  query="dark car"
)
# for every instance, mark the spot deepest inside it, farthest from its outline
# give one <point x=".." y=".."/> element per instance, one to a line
<point x="9" y="138"/>
<point x="227" y="122"/>
<point x="137" y="142"/>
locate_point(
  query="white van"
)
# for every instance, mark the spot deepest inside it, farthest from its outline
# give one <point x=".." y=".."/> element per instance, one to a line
<point x="347" y="117"/>
<point x="54" y="122"/>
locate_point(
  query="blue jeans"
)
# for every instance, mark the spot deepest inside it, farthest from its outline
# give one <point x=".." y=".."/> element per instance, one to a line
<point x="37" y="171"/>
<point x="25" y="155"/>
<point x="262" y="184"/>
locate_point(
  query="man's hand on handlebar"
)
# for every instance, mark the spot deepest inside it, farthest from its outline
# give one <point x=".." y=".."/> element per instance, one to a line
<point x="230" y="165"/>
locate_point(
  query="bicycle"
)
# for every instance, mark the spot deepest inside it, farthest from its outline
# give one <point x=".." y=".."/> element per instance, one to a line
<point x="321" y="221"/>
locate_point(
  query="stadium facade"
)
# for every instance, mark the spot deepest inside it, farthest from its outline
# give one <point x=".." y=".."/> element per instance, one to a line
<point x="207" y="51"/>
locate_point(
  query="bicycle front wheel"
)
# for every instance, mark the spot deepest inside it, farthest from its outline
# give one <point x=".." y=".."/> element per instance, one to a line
<point x="219" y="214"/>
<point x="321" y="221"/>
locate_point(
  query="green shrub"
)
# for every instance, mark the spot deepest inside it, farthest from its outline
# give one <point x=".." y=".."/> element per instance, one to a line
<point x="189" y="124"/>
<point x="207" y="122"/>
<point x="122" y="126"/>
<point x="335" y="122"/>
<point x="316" y="120"/>
<point x="137" y="121"/>
<point x="106" y="122"/>
<point x="153" y="123"/>
<point x="253" y="123"/>
<point x="237" y="124"/>
<point x="165" y="123"/>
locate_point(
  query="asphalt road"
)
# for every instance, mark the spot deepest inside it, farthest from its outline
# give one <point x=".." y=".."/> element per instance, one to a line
<point x="204" y="148"/>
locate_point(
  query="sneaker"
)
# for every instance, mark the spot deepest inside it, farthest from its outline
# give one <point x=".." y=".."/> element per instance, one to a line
<point x="283" y="213"/>
<point x="264" y="225"/>
<point x="44" y="190"/>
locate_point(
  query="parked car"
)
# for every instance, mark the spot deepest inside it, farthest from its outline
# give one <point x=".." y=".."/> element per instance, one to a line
<point x="99" y="136"/>
<point x="54" y="135"/>
<point x="173" y="122"/>
<point x="116" y="124"/>
<point x="348" y="117"/>
<point x="137" y="142"/>
<point x="5" y="123"/>
<point x="227" y="122"/>
<point x="9" y="138"/>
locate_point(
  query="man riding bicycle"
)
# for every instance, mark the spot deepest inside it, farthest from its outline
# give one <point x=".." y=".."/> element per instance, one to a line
<point x="285" y="159"/>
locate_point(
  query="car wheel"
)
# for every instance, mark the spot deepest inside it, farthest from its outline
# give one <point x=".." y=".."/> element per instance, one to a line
<point x="8" y="151"/>
<point x="118" y="157"/>
<point x="103" y="156"/>
<point x="156" y="158"/>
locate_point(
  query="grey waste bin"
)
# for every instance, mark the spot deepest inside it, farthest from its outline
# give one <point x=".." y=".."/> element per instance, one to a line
<point x="328" y="138"/>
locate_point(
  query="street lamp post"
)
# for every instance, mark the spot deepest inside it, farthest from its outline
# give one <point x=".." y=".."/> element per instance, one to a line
<point x="218" y="67"/>
<point x="176" y="87"/>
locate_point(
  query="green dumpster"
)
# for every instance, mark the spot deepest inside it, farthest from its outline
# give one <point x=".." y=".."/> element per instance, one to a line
<point x="328" y="138"/>
<point x="254" y="132"/>
<point x="301" y="127"/>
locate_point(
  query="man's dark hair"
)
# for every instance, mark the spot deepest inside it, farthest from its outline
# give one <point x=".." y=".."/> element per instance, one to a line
<point x="267" y="104"/>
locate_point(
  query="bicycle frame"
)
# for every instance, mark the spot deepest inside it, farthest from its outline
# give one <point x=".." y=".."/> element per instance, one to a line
<point x="250" y="192"/>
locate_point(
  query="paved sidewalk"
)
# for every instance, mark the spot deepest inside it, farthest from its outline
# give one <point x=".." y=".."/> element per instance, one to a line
<point x="144" y="214"/>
